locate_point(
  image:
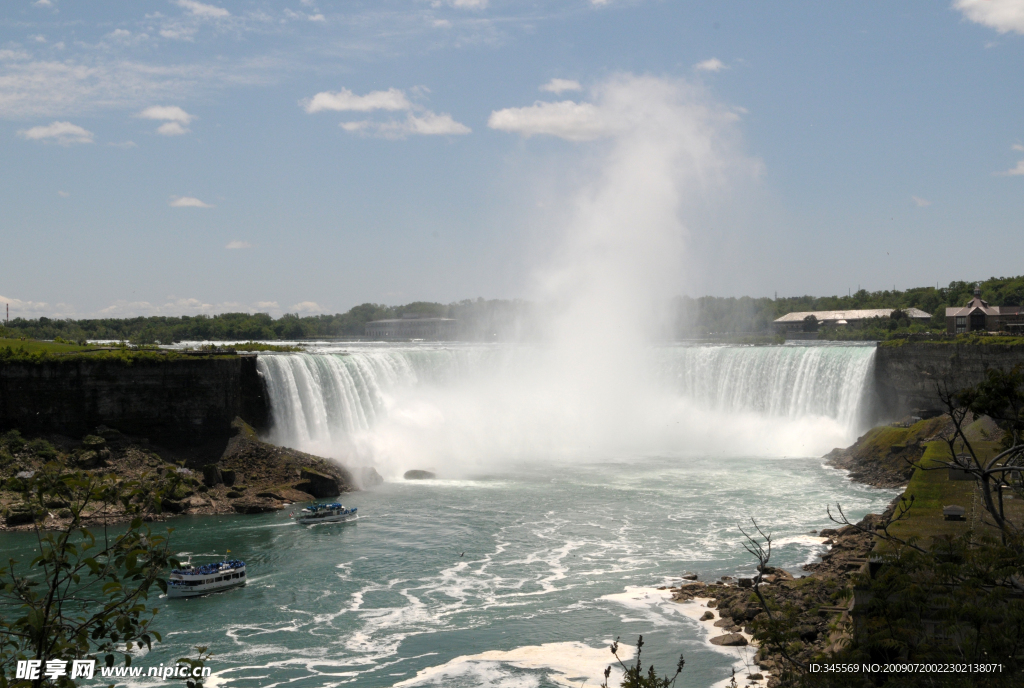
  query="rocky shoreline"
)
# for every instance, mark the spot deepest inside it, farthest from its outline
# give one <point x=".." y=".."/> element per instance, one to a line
<point x="249" y="476"/>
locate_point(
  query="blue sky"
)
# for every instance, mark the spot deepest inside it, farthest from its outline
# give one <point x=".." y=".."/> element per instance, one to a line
<point x="177" y="156"/>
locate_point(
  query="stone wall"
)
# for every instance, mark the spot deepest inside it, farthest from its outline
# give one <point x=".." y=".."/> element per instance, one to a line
<point x="186" y="401"/>
<point x="906" y="376"/>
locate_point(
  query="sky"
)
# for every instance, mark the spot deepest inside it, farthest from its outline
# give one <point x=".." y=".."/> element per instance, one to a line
<point x="179" y="157"/>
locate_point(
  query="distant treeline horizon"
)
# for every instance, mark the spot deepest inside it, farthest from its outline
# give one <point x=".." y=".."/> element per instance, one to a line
<point x="512" y="320"/>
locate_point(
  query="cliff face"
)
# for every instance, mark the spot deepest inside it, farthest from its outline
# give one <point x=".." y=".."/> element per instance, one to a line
<point x="906" y="376"/>
<point x="178" y="402"/>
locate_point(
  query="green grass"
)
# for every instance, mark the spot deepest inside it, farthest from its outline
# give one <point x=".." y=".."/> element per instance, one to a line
<point x="932" y="490"/>
<point x="966" y="339"/>
<point x="34" y="346"/>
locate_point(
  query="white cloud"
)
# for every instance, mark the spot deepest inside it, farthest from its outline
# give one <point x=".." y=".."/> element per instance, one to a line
<point x="712" y="65"/>
<point x="307" y="307"/>
<point x="43" y="3"/>
<point x="564" y="119"/>
<point x="6" y="55"/>
<point x="427" y="124"/>
<point x="187" y="202"/>
<point x="345" y="101"/>
<point x="561" y="85"/>
<point x="171" y="129"/>
<point x="920" y="202"/>
<point x="1017" y="147"/>
<point x="123" y="144"/>
<point x="267" y="305"/>
<point x="64" y="133"/>
<point x="69" y="88"/>
<point x="1002" y="15"/>
<point x="202" y="10"/>
<point x="469" y="4"/>
<point x="238" y="245"/>
<point x="63" y="194"/>
<point x="21" y="308"/>
<point x="176" y="120"/>
<point x="1014" y="171"/>
<point x="171" y="113"/>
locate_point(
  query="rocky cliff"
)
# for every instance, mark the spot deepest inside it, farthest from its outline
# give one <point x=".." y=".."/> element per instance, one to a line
<point x="906" y="375"/>
<point x="183" y="401"/>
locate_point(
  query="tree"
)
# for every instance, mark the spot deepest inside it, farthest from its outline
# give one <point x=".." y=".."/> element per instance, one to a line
<point x="86" y="594"/>
<point x="810" y="324"/>
<point x="634" y="676"/>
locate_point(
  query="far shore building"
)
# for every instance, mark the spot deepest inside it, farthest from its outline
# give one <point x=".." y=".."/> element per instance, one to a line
<point x="794" y="322"/>
<point x="412" y="327"/>
<point x="978" y="316"/>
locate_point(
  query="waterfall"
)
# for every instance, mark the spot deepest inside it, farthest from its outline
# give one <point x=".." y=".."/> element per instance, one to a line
<point x="782" y="381"/>
<point x="472" y="401"/>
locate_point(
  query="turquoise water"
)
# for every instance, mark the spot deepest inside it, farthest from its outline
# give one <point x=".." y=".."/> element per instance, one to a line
<point x="437" y="572"/>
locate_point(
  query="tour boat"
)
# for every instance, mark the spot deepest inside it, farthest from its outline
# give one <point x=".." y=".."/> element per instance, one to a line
<point x="326" y="513"/>
<point x="199" y="580"/>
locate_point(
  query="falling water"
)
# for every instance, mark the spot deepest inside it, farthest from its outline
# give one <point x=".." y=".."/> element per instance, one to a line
<point x="364" y="401"/>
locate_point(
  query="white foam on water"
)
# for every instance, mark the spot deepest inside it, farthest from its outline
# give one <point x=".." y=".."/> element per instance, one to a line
<point x="658" y="607"/>
<point x="569" y="664"/>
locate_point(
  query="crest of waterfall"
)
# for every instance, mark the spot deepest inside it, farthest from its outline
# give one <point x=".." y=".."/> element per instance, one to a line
<point x="438" y="402"/>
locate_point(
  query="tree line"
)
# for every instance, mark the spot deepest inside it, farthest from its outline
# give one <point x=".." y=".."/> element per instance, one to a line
<point x="511" y="320"/>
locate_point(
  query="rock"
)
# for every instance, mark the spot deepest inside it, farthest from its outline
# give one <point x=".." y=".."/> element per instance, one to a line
<point x="256" y="507"/>
<point x="746" y="582"/>
<point x="419" y="475"/>
<point x="707" y="616"/>
<point x="318" y="485"/>
<point x="212" y="475"/>
<point x="828" y="532"/>
<point x="234" y="494"/>
<point x="730" y="640"/>
<point x="690" y="576"/>
<point x="367" y="477"/>
<point x="19" y="516"/>
<point x="93" y="442"/>
<point x="174" y="506"/>
<point x="756" y="677"/>
<point x="227" y="476"/>
<point x="807" y="633"/>
<point x="724" y="622"/>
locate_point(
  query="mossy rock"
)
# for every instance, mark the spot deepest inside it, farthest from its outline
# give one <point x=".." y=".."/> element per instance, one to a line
<point x="234" y="494"/>
<point x="228" y="476"/>
<point x="171" y="505"/>
<point x="19" y="515"/>
<point x="93" y="442"/>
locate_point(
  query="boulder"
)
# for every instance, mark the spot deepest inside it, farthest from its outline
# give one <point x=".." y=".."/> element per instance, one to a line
<point x="419" y="475"/>
<point x="252" y="506"/>
<point x="212" y="475"/>
<point x="690" y="576"/>
<point x="707" y="616"/>
<point x="93" y="442"/>
<point x="318" y="485"/>
<point x="724" y="622"/>
<point x="730" y="640"/>
<point x="367" y="477"/>
<point x="171" y="505"/>
<point x="20" y="515"/>
<point x="227" y="476"/>
<point x="746" y="582"/>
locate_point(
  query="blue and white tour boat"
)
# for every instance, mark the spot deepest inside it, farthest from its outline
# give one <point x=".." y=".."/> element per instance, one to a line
<point x="326" y="513"/>
<point x="200" y="580"/>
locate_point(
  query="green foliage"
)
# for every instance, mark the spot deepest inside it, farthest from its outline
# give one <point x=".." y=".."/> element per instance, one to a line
<point x="12" y="441"/>
<point x="83" y="596"/>
<point x="634" y="676"/>
<point x="42" y="449"/>
<point x="712" y="315"/>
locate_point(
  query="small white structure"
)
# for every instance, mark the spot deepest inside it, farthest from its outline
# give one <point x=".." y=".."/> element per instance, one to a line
<point x="795" y="321"/>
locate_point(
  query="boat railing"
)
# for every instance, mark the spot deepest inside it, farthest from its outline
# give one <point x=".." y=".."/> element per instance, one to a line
<point x="208" y="569"/>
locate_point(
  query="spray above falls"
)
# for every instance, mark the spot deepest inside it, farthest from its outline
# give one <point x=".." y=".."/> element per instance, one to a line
<point x="645" y="153"/>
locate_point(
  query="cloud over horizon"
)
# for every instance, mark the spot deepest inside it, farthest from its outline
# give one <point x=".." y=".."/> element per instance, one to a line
<point x="1002" y="15"/>
<point x="64" y="133"/>
<point x="175" y="119"/>
<point x="418" y="119"/>
<point x="187" y="202"/>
